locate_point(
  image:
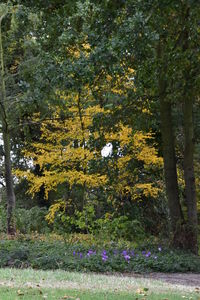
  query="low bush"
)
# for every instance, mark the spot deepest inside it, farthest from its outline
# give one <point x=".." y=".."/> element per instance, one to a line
<point x="108" y="226"/>
<point x="78" y="257"/>
<point x="31" y="220"/>
<point x="27" y="220"/>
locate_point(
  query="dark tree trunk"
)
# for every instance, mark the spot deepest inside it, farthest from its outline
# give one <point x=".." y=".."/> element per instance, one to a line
<point x="169" y="156"/>
<point x="190" y="189"/>
<point x="11" y="230"/>
<point x="189" y="176"/>
<point x="6" y="140"/>
<point x="170" y="171"/>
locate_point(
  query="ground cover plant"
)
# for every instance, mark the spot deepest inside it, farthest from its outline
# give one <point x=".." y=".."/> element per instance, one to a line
<point x="25" y="252"/>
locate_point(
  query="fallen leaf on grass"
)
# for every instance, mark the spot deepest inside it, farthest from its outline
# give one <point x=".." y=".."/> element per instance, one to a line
<point x="20" y="293"/>
<point x="141" y="293"/>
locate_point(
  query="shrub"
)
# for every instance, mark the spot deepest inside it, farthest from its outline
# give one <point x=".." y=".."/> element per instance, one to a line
<point x="30" y="220"/>
<point x="120" y="227"/>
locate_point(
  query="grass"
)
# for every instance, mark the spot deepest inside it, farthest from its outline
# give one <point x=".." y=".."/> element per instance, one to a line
<point x="31" y="284"/>
<point x="7" y="293"/>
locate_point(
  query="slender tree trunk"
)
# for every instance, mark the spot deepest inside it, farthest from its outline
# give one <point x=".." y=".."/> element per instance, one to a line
<point x="189" y="176"/>
<point x="7" y="152"/>
<point x="169" y="156"/>
<point x="170" y="171"/>
<point x="190" y="189"/>
<point x="9" y="186"/>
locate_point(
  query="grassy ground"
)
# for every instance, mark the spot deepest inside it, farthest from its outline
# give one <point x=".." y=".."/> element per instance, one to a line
<point x="30" y="284"/>
<point x="83" y="295"/>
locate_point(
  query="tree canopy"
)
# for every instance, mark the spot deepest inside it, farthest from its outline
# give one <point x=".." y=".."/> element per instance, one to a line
<point x="77" y="76"/>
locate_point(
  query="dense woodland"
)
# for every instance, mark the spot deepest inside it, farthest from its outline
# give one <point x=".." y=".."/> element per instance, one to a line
<point x="100" y="119"/>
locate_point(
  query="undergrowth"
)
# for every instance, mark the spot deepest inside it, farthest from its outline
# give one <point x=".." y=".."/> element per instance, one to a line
<point x="56" y="253"/>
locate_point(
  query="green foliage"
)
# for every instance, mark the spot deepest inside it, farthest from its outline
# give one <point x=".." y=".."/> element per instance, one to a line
<point x="61" y="67"/>
<point x="60" y="255"/>
<point x="30" y="220"/>
<point x="2" y="219"/>
<point x="27" y="220"/>
<point x="79" y="221"/>
<point x="119" y="227"/>
<point x="109" y="227"/>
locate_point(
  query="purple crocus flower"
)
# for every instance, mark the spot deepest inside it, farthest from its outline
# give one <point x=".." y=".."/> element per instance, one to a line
<point x="143" y="252"/>
<point x="104" y="255"/>
<point x="91" y="252"/>
<point x="148" y="254"/>
<point x="127" y="257"/>
<point x="80" y="255"/>
<point x="74" y="253"/>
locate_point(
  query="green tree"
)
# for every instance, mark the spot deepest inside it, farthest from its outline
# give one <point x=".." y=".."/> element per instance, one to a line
<point x="161" y="42"/>
<point x="6" y="133"/>
<point x="16" y="38"/>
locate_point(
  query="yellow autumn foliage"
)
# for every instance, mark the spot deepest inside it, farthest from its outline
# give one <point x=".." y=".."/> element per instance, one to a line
<point x="54" y="208"/>
<point x="139" y="147"/>
<point x="62" y="152"/>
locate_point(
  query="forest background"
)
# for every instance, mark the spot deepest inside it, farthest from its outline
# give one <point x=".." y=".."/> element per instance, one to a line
<point x="82" y="78"/>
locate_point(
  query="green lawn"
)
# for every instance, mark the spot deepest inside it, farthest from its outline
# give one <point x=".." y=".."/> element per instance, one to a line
<point x="30" y="284"/>
<point x="13" y="293"/>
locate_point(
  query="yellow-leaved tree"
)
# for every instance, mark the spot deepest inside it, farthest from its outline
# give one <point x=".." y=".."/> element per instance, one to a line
<point x="67" y="153"/>
<point x="64" y="152"/>
<point x="136" y="158"/>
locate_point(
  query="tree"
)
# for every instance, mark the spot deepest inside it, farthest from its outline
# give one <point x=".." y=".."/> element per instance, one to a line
<point x="6" y="134"/>
<point x="164" y="55"/>
<point x="85" y="58"/>
<point x="18" y="41"/>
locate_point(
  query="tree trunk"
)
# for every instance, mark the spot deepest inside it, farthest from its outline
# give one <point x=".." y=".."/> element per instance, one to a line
<point x="170" y="171"/>
<point x="169" y="156"/>
<point x="190" y="189"/>
<point x="9" y="186"/>
<point x="7" y="153"/>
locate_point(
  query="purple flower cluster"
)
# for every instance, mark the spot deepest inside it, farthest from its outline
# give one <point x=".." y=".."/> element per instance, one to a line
<point x="90" y="252"/>
<point x="148" y="254"/>
<point x="126" y="254"/>
<point x="104" y="255"/>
